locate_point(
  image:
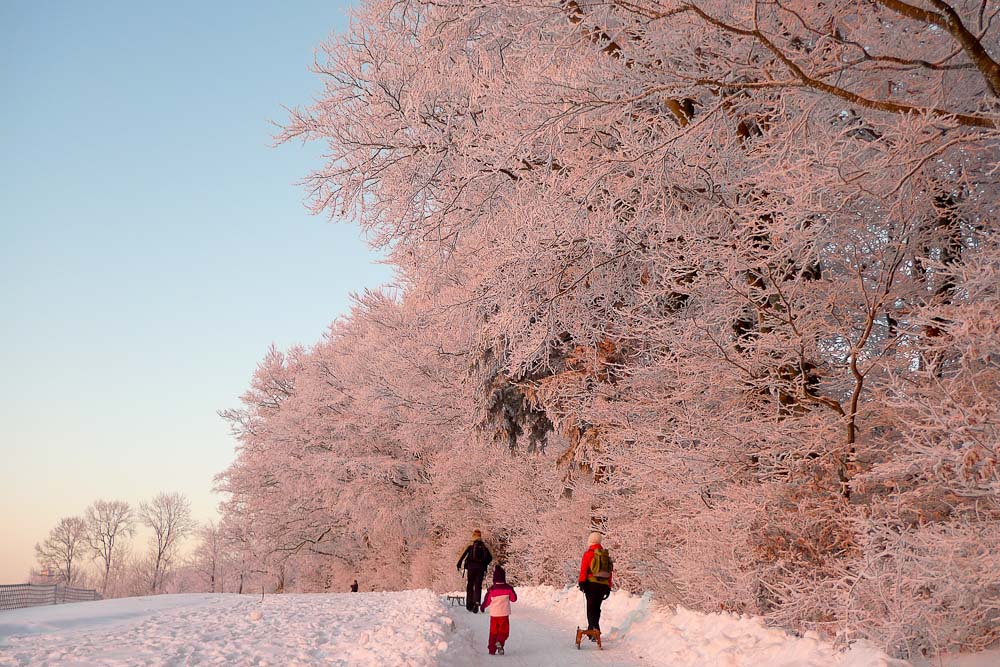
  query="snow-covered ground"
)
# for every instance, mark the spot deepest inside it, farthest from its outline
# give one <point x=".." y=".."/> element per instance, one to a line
<point x="637" y="632"/>
<point x="409" y="628"/>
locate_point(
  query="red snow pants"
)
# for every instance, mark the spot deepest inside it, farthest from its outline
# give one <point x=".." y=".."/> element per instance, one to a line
<point x="499" y="631"/>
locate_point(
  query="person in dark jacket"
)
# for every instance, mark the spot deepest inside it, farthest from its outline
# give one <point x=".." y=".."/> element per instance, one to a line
<point x="354" y="586"/>
<point x="474" y="559"/>
<point x="596" y="590"/>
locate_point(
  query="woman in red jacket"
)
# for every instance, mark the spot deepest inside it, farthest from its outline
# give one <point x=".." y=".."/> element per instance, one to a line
<point x="596" y="585"/>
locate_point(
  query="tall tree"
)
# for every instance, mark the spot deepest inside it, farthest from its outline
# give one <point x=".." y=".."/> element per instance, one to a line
<point x="168" y="515"/>
<point x="64" y="548"/>
<point x="109" y="524"/>
<point x="210" y="556"/>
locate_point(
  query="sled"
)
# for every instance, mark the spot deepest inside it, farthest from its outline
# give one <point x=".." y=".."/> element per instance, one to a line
<point x="594" y="635"/>
<point x="456" y="599"/>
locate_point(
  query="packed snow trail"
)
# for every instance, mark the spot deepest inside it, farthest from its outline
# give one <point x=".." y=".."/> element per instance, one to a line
<point x="537" y="639"/>
<point x="638" y="632"/>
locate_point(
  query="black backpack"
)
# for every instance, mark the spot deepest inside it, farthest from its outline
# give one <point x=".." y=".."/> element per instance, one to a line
<point x="477" y="553"/>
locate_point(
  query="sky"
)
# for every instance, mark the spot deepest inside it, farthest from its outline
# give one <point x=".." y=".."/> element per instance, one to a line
<point x="153" y="244"/>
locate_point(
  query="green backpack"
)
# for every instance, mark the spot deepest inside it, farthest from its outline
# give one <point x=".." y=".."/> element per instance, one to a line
<point x="600" y="567"/>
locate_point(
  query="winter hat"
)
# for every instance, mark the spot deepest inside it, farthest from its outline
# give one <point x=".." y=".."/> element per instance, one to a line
<point x="477" y="535"/>
<point x="595" y="538"/>
<point x="499" y="575"/>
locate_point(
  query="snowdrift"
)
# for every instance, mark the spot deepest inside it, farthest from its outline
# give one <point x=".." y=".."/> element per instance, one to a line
<point x="691" y="639"/>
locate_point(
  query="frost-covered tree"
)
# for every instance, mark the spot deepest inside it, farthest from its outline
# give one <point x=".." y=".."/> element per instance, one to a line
<point x="64" y="549"/>
<point x="210" y="559"/>
<point x="168" y="516"/>
<point x="716" y="277"/>
<point x="110" y="523"/>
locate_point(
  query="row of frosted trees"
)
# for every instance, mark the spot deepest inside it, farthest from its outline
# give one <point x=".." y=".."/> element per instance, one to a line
<point x="96" y="548"/>
<point x="102" y="549"/>
<point x="720" y="278"/>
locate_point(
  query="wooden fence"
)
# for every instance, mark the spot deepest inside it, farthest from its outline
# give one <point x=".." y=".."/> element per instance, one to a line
<point x="16" y="596"/>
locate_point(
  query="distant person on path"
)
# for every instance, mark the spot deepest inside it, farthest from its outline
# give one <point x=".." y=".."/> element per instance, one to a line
<point x="474" y="559"/>
<point x="498" y="599"/>
<point x="354" y="586"/>
<point x="595" y="579"/>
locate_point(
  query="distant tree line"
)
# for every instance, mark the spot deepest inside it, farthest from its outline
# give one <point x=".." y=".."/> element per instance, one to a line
<point x="98" y="550"/>
<point x="95" y="549"/>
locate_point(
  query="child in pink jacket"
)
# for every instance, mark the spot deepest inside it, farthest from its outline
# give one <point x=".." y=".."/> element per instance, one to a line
<point x="498" y="599"/>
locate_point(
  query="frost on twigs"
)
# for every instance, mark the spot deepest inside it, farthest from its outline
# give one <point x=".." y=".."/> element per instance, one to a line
<point x="718" y="278"/>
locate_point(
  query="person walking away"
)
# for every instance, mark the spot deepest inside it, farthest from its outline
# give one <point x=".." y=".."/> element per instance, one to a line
<point x="595" y="579"/>
<point x="498" y="599"/>
<point x="474" y="559"/>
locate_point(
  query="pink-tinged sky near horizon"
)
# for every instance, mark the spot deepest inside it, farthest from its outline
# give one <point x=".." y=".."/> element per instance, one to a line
<point x="152" y="244"/>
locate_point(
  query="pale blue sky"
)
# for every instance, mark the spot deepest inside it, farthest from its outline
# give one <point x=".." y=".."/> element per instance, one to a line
<point x="152" y="243"/>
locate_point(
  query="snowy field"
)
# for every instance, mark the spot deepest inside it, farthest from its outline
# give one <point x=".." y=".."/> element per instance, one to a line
<point x="410" y="628"/>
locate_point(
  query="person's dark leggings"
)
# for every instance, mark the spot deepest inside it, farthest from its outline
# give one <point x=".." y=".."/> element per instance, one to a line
<point x="474" y="588"/>
<point x="595" y="596"/>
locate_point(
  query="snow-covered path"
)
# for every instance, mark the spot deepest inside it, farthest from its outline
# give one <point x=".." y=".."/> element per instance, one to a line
<point x="536" y="638"/>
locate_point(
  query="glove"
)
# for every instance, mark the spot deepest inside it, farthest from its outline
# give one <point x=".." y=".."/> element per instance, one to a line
<point x="606" y="595"/>
<point x="582" y="586"/>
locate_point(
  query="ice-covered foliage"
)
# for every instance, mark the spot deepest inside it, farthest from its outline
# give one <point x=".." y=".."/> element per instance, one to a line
<point x="720" y="278"/>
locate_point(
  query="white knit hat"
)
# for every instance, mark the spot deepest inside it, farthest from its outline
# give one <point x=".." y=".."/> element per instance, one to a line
<point x="595" y="538"/>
